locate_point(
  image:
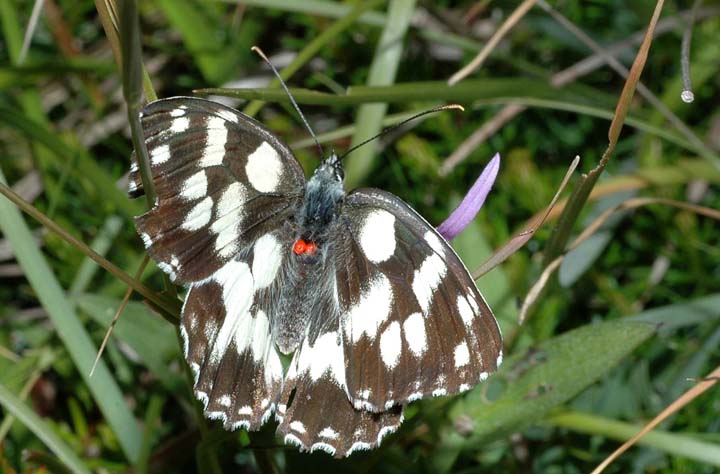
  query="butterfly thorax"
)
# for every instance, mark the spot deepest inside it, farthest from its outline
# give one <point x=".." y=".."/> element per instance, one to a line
<point x="323" y="195"/>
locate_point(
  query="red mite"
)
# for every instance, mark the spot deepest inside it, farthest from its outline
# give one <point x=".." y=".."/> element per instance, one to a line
<point x="301" y="247"/>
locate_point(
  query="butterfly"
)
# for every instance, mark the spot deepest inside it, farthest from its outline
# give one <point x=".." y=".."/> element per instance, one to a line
<point x="372" y="304"/>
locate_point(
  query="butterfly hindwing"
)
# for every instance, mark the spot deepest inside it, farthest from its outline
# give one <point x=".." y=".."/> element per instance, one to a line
<point x="413" y="321"/>
<point x="227" y="323"/>
<point x="222" y="181"/>
<point x="315" y="412"/>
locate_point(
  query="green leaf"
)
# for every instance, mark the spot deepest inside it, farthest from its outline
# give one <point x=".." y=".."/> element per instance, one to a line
<point x="34" y="423"/>
<point x="81" y="348"/>
<point x="532" y="383"/>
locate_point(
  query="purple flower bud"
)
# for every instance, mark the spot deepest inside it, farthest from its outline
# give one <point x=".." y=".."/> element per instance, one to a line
<point x="473" y="201"/>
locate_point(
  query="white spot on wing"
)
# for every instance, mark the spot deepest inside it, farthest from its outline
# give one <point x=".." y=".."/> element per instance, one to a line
<point x="264" y="168"/>
<point x="292" y="439"/>
<point x="372" y="310"/>
<point x="466" y="312"/>
<point x="377" y="236"/>
<point x="241" y="424"/>
<point x="168" y="269"/>
<point x="426" y="280"/>
<point x="434" y="242"/>
<point x="329" y="433"/>
<point x="199" y="216"/>
<point x="245" y="410"/>
<point x="472" y="300"/>
<point x="236" y="282"/>
<point x="195" y="186"/>
<point x="180" y="124"/>
<point x="147" y="241"/>
<point x="462" y="355"/>
<point x="228" y="115"/>
<point x="439" y="392"/>
<point x="320" y="446"/>
<point x="359" y="446"/>
<point x="386" y="430"/>
<point x="228" y="216"/>
<point x="325" y="355"/>
<point x="175" y="113"/>
<point x="225" y="401"/>
<point x="298" y="426"/>
<point x="414" y="327"/>
<point x="391" y="345"/>
<point x="214" y="151"/>
<point x="184" y="335"/>
<point x="160" y="154"/>
<point x="414" y="396"/>
<point x="499" y="359"/>
<point x="261" y="336"/>
<point x="266" y="260"/>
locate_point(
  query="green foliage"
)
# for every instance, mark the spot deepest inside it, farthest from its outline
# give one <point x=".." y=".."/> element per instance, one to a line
<point x="632" y="322"/>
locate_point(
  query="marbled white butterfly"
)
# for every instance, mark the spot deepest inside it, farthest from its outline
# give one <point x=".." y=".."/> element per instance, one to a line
<point x="373" y="304"/>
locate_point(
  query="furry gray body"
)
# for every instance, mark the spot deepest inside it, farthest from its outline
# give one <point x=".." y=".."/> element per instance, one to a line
<point x="303" y="288"/>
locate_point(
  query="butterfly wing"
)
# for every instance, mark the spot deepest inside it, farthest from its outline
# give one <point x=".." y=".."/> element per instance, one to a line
<point x="225" y="187"/>
<point x="222" y="181"/>
<point x="414" y="324"/>
<point x="315" y="412"/>
<point x="227" y="329"/>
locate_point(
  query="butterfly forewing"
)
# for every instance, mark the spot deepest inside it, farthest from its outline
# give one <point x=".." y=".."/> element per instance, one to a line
<point x="414" y="323"/>
<point x="222" y="181"/>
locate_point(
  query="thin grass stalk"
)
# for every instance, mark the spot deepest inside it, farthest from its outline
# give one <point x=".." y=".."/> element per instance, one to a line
<point x="170" y="306"/>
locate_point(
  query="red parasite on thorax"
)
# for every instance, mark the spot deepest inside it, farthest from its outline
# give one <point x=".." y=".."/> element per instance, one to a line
<point x="301" y="247"/>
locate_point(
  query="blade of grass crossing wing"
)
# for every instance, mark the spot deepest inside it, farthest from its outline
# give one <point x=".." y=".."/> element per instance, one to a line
<point x="382" y="72"/>
<point x="105" y="391"/>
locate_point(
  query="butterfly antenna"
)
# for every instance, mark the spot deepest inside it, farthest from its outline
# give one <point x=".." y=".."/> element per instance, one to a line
<point x="400" y="124"/>
<point x="292" y="99"/>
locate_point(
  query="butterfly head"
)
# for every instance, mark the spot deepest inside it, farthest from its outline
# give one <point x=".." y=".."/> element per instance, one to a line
<point x="331" y="168"/>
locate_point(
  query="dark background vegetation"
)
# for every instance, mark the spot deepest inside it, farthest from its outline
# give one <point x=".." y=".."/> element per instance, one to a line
<point x="629" y="326"/>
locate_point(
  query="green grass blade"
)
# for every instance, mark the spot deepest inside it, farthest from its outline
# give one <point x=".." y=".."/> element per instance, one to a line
<point x="101" y="244"/>
<point x="382" y="72"/>
<point x="105" y="391"/>
<point x="87" y="170"/>
<point x="689" y="313"/>
<point x="198" y="28"/>
<point x="500" y="89"/>
<point x="671" y="443"/>
<point x="42" y="430"/>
